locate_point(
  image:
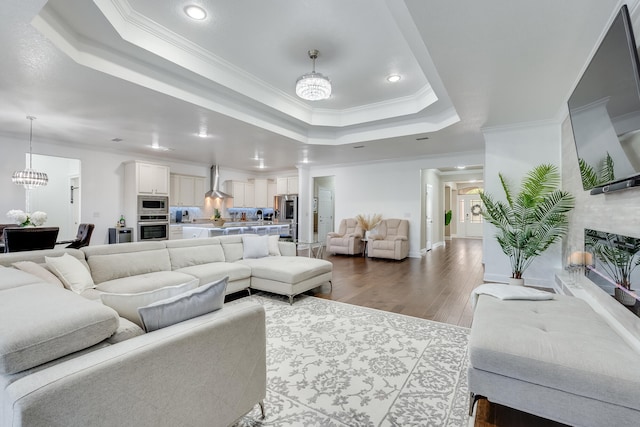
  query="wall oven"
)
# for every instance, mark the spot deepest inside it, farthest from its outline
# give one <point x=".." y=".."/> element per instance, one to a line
<point x="153" y="230"/>
<point x="153" y="218"/>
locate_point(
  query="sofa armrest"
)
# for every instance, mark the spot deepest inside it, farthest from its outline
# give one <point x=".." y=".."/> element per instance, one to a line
<point x="399" y="238"/>
<point x="218" y="361"/>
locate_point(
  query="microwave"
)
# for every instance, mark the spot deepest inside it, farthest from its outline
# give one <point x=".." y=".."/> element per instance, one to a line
<point x="153" y="205"/>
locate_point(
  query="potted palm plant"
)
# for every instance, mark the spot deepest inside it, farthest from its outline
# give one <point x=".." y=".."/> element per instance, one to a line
<point x="531" y="220"/>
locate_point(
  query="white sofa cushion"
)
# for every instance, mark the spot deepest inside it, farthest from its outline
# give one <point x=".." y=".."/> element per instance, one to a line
<point x="274" y="245"/>
<point x="255" y="246"/>
<point x="287" y="269"/>
<point x="12" y="278"/>
<point x="232" y="247"/>
<point x="188" y="252"/>
<point x="40" y="322"/>
<point x="167" y="312"/>
<point x="217" y="270"/>
<point x="127" y="304"/>
<point x="144" y="282"/>
<point x="118" y="265"/>
<point x="73" y="274"/>
<point x="38" y="271"/>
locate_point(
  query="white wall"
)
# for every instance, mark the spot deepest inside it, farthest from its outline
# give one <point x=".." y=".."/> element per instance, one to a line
<point x="514" y="151"/>
<point x="392" y="189"/>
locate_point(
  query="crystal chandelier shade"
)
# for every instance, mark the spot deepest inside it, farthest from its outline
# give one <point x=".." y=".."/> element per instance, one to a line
<point x="30" y="178"/>
<point x="313" y="86"/>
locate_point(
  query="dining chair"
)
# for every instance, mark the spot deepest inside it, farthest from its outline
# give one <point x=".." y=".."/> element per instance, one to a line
<point x="29" y="238"/>
<point x="83" y="237"/>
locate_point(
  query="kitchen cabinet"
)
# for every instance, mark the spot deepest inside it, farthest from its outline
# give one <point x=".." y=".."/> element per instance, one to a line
<point x="187" y="190"/>
<point x="237" y="190"/>
<point x="260" y="191"/>
<point x="249" y="195"/>
<point x="152" y="179"/>
<point x="175" y="232"/>
<point x="287" y="185"/>
<point x="271" y="193"/>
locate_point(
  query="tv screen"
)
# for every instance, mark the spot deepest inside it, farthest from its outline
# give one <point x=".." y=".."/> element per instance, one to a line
<point x="605" y="111"/>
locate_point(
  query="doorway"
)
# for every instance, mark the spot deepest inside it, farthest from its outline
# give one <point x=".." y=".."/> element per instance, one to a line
<point x="323" y="207"/>
<point x="470" y="216"/>
<point x="60" y="199"/>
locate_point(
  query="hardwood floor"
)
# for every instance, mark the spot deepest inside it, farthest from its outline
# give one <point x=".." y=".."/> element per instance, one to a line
<point x="435" y="287"/>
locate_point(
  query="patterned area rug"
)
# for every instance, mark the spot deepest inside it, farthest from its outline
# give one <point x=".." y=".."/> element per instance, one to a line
<point x="335" y="364"/>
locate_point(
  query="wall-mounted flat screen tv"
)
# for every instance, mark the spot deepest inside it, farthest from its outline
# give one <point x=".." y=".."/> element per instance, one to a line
<point x="605" y="112"/>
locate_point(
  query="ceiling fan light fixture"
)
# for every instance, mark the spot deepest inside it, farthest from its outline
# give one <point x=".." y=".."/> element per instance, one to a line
<point x="313" y="86"/>
<point x="30" y="178"/>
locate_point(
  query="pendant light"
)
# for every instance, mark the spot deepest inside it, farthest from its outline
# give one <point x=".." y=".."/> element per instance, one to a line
<point x="28" y="177"/>
<point x="313" y="86"/>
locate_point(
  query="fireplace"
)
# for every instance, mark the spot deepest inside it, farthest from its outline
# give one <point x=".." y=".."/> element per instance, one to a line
<point x="615" y="267"/>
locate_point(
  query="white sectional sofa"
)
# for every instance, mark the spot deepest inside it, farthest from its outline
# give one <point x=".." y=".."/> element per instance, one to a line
<point x="66" y="359"/>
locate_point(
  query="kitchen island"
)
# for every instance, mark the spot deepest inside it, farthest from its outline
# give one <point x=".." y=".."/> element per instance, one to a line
<point x="207" y="229"/>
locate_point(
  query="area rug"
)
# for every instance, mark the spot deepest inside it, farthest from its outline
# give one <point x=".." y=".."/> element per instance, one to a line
<point x="336" y="364"/>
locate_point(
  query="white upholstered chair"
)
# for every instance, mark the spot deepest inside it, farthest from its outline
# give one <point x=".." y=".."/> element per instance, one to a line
<point x="391" y="240"/>
<point x="347" y="240"/>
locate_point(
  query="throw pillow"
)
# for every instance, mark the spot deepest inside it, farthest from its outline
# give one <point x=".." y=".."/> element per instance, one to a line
<point x="274" y="248"/>
<point x="71" y="272"/>
<point x="38" y="271"/>
<point x="197" y="302"/>
<point x="255" y="246"/>
<point x="127" y="304"/>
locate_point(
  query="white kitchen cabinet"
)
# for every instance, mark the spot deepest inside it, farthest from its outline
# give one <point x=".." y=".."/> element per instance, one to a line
<point x="237" y="190"/>
<point x="260" y="191"/>
<point x="175" y="232"/>
<point x="271" y="193"/>
<point x="292" y="185"/>
<point x="249" y="195"/>
<point x="187" y="190"/>
<point x="287" y="185"/>
<point x="152" y="179"/>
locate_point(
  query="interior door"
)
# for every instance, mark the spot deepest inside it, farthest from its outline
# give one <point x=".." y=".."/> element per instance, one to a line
<point x="470" y="216"/>
<point x="325" y="213"/>
<point x="429" y="217"/>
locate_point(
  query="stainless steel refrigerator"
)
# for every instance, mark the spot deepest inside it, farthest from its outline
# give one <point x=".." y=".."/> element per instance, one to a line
<point x="287" y="206"/>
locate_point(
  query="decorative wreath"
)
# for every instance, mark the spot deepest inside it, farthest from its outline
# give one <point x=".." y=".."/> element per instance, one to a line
<point x="476" y="210"/>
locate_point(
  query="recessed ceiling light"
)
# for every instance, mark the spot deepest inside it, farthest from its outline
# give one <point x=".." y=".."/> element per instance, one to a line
<point x="394" y="78"/>
<point x="460" y="167"/>
<point x="202" y="134"/>
<point x="159" y="147"/>
<point x="195" y="12"/>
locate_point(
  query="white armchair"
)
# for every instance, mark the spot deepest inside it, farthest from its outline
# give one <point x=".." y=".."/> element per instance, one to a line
<point x="391" y="240"/>
<point x="347" y="240"/>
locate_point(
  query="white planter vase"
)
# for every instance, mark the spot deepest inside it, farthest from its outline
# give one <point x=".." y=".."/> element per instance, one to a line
<point x="516" y="282"/>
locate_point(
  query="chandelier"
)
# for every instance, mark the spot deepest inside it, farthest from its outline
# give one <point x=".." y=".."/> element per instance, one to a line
<point x="313" y="86"/>
<point x="28" y="177"/>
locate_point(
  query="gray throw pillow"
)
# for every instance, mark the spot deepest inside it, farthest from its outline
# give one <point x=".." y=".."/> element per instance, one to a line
<point x="194" y="303"/>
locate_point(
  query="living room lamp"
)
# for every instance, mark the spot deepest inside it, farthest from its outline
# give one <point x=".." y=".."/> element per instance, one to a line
<point x="313" y="86"/>
<point x="28" y="177"/>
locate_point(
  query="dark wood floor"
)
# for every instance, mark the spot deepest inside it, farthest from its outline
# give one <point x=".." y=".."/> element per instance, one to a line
<point x="435" y="287"/>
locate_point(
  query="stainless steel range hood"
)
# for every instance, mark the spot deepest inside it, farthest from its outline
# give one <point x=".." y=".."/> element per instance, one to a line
<point x="215" y="186"/>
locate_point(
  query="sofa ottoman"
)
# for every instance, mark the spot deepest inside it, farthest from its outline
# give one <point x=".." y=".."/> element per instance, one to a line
<point x="558" y="359"/>
<point x="288" y="275"/>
